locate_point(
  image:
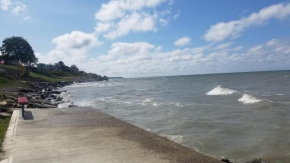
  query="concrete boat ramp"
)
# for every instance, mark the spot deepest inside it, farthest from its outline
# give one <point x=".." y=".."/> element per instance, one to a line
<point x="86" y="135"/>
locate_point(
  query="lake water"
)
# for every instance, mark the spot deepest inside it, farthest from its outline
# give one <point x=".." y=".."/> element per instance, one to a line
<point x="239" y="116"/>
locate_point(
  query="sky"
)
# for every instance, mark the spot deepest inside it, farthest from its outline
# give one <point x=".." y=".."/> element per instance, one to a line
<point x="141" y="38"/>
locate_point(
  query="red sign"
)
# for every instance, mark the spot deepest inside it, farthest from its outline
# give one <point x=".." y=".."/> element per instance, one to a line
<point x="22" y="100"/>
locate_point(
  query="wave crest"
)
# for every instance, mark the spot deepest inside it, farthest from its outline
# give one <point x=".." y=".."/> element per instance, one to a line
<point x="249" y="99"/>
<point x="221" y="90"/>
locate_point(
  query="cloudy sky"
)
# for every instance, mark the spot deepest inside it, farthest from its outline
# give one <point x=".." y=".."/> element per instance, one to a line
<point x="138" y="38"/>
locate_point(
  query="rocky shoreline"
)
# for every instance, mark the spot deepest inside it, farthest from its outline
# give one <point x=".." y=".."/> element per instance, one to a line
<point x="39" y="95"/>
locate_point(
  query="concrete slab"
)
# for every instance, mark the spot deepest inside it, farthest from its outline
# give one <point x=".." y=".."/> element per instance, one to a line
<point x="85" y="135"/>
<point x="10" y="137"/>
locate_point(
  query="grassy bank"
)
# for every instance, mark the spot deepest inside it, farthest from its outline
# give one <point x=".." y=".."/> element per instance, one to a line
<point x="6" y="83"/>
<point x="4" y="122"/>
<point x="46" y="78"/>
<point x="7" y="79"/>
<point x="8" y="66"/>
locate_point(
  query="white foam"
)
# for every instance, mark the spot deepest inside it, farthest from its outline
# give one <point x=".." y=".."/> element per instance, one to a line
<point x="249" y="99"/>
<point x="176" y="138"/>
<point x="84" y="103"/>
<point x="179" y="105"/>
<point x="147" y="100"/>
<point x="95" y="84"/>
<point x="113" y="100"/>
<point x="107" y="99"/>
<point x="220" y="90"/>
<point x="63" y="105"/>
<point x="156" y="104"/>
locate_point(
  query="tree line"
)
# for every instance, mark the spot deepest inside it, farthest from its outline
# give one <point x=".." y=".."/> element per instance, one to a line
<point x="17" y="51"/>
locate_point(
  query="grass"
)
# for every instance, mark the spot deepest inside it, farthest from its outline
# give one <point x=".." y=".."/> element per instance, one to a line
<point x="4" y="122"/>
<point x="46" y="78"/>
<point x="8" y="66"/>
<point x="6" y="83"/>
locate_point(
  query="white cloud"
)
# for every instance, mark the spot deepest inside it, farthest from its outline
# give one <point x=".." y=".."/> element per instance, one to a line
<point x="163" y="22"/>
<point x="121" y="17"/>
<point x="133" y="23"/>
<point x="233" y="29"/>
<point x="19" y="8"/>
<point x="16" y="8"/>
<point x="121" y="48"/>
<point x="176" y="15"/>
<point x="255" y="49"/>
<point x="223" y="46"/>
<point x="182" y="41"/>
<point x="145" y="59"/>
<point x="238" y="48"/>
<point x="110" y="11"/>
<point x="71" y="48"/>
<point x="104" y="27"/>
<point x="5" y="4"/>
<point x="116" y="9"/>
<point x="76" y="40"/>
<point x="27" y="18"/>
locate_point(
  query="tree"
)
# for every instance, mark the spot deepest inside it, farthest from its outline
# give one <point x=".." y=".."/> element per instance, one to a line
<point x="74" y="67"/>
<point x="61" y="65"/>
<point x="18" y="49"/>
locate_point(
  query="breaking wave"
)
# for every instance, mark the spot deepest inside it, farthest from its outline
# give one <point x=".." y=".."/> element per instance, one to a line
<point x="249" y="99"/>
<point x="221" y="90"/>
<point x="176" y="138"/>
<point x="245" y="99"/>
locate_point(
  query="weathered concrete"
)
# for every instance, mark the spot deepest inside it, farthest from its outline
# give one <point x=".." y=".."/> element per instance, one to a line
<point x="84" y="135"/>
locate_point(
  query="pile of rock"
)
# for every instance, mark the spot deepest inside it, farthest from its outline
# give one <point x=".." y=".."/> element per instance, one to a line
<point x="39" y="95"/>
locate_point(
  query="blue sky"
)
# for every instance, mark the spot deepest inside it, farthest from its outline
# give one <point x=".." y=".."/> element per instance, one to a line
<point x="154" y="37"/>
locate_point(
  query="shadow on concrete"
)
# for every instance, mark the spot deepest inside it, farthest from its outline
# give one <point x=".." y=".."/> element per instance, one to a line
<point x="28" y="115"/>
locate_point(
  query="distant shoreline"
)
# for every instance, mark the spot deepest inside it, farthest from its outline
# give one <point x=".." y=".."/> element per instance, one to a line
<point x="224" y="73"/>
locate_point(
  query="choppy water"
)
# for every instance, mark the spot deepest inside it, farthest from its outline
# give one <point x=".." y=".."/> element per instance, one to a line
<point x="238" y="116"/>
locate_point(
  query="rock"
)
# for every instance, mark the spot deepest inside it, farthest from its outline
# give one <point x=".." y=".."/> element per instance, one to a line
<point x="13" y="98"/>
<point x="18" y="106"/>
<point x="43" y="96"/>
<point x="3" y="109"/>
<point x="59" y="99"/>
<point x="43" y="105"/>
<point x="30" y="105"/>
<point x="58" y="102"/>
<point x="3" y="103"/>
<point x="258" y="161"/>
<point x="5" y="114"/>
<point x="25" y="90"/>
<point x="226" y="160"/>
<point x="71" y="106"/>
<point x="10" y="103"/>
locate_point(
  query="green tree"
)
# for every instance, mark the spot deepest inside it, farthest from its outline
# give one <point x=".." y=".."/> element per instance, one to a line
<point x="18" y="49"/>
<point x="74" y="67"/>
<point x="61" y="65"/>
